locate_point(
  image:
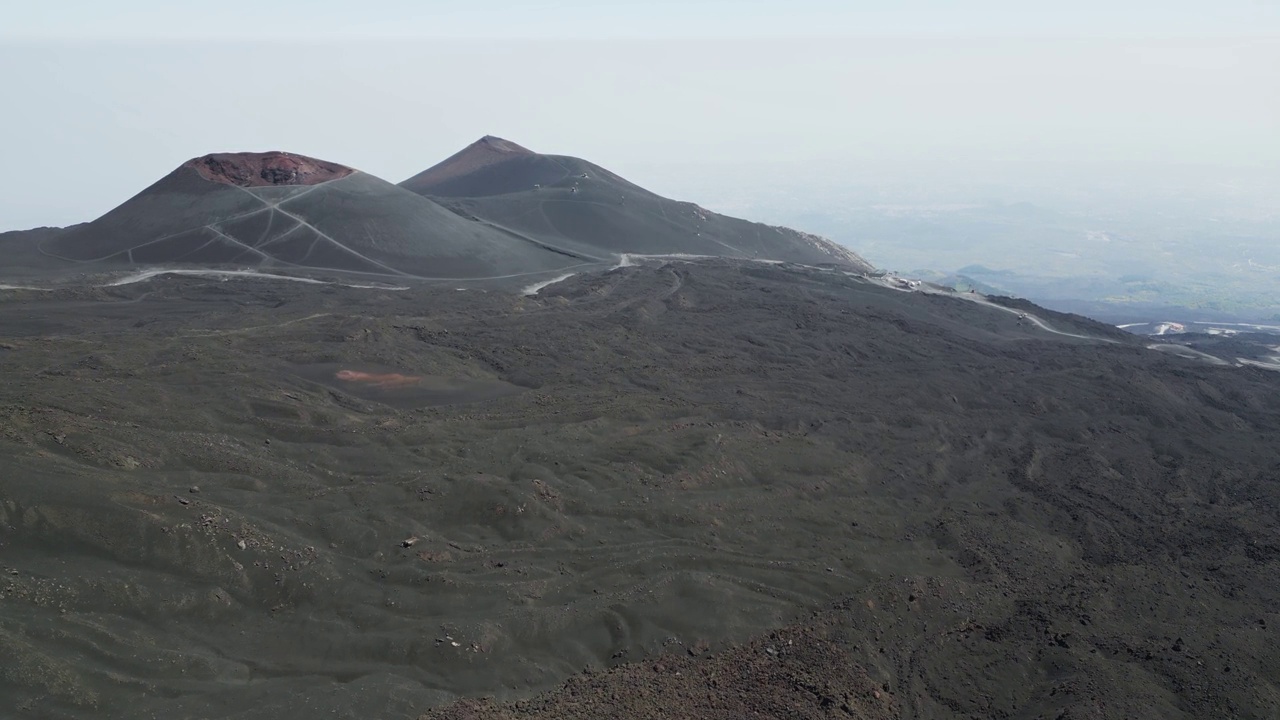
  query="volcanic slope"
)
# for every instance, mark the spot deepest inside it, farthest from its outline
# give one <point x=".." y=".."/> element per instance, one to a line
<point x="284" y="211"/>
<point x="22" y="257"/>
<point x="279" y="500"/>
<point x="581" y="207"/>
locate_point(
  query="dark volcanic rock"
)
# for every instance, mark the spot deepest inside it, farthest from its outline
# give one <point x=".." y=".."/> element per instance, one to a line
<point x="800" y="672"/>
<point x="727" y="488"/>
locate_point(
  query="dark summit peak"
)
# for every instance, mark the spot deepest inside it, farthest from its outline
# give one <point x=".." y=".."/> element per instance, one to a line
<point x="497" y="144"/>
<point x="248" y="169"/>
<point x="573" y="205"/>
<point x="484" y="153"/>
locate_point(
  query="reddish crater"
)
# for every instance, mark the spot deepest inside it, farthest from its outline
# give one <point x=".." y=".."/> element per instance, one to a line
<point x="488" y="150"/>
<point x="269" y="168"/>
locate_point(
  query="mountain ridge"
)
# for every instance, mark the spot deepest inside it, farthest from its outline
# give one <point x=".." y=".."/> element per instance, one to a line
<point x="576" y="204"/>
<point x="493" y="210"/>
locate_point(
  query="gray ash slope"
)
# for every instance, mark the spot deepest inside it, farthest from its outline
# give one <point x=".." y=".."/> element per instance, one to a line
<point x="1010" y="522"/>
<point x="510" y="213"/>
<point x="285" y="211"/>
<point x="581" y="207"/>
<point x="24" y="261"/>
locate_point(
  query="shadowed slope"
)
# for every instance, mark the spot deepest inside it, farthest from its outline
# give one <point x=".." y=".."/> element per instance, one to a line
<point x="286" y="211"/>
<point x="577" y="205"/>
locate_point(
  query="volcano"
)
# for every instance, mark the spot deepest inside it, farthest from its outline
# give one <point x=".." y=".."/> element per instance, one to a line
<point x="284" y="211"/>
<point x="579" y="207"/>
<point x="495" y="211"/>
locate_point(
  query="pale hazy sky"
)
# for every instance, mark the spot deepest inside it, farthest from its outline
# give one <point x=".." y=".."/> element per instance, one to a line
<point x="101" y="99"/>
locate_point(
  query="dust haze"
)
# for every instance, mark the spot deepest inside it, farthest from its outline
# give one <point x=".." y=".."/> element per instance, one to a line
<point x="99" y="119"/>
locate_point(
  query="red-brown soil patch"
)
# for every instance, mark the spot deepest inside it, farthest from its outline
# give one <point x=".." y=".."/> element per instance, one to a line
<point x="269" y="168"/>
<point x="381" y="380"/>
